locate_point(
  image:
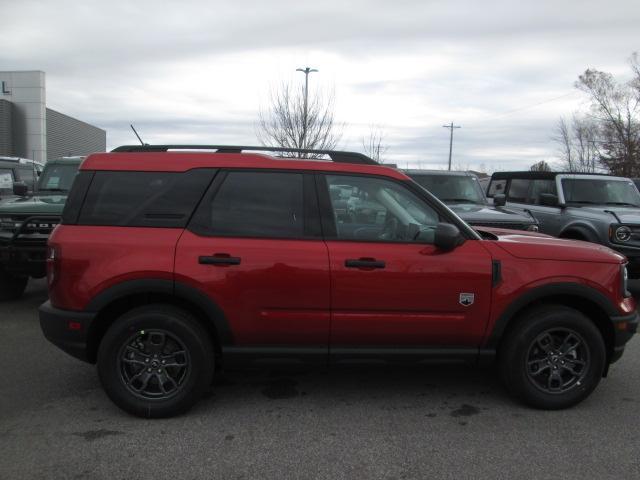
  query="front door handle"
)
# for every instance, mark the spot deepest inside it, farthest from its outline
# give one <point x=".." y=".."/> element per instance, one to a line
<point x="364" y="263"/>
<point x="219" y="259"/>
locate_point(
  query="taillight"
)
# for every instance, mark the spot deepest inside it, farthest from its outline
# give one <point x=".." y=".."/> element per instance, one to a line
<point x="53" y="262"/>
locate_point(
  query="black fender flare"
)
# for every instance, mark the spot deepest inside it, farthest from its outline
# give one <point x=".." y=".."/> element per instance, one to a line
<point x="171" y="288"/>
<point x="547" y="291"/>
<point x="588" y="232"/>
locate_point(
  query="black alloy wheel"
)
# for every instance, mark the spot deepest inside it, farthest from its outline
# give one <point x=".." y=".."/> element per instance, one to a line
<point x="153" y="364"/>
<point x="558" y="360"/>
<point x="552" y="356"/>
<point x="156" y="361"/>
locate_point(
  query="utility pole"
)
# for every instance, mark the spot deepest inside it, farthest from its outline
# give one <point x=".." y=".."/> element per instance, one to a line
<point x="306" y="72"/>
<point x="451" y="127"/>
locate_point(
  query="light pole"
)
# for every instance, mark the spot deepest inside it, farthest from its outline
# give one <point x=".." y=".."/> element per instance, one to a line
<point x="306" y="72"/>
<point x="451" y="127"/>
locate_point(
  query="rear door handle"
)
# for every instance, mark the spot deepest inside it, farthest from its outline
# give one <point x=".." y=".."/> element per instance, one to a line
<point x="219" y="259"/>
<point x="364" y="263"/>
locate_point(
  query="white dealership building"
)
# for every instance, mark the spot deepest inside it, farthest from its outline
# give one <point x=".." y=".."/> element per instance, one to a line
<point x="29" y="129"/>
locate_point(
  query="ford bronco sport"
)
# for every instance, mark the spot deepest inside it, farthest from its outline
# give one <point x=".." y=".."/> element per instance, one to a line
<point x="26" y="221"/>
<point x="170" y="265"/>
<point x="596" y="208"/>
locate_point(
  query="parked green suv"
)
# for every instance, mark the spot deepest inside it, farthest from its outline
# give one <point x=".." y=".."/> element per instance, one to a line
<point x="26" y="222"/>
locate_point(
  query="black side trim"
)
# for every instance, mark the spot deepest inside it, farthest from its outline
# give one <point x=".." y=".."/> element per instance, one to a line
<point x="170" y="288"/>
<point x="496" y="273"/>
<point x="554" y="289"/>
<point x="242" y="356"/>
<point x="403" y="354"/>
<point x="238" y="356"/>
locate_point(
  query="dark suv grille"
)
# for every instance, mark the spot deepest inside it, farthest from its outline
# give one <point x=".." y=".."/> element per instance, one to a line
<point x="36" y="228"/>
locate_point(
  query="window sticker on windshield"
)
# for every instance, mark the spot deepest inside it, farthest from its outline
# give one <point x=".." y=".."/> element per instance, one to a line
<point x="53" y="182"/>
<point x="6" y="181"/>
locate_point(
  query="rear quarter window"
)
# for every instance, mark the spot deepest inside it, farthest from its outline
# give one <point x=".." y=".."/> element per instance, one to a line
<point x="143" y="199"/>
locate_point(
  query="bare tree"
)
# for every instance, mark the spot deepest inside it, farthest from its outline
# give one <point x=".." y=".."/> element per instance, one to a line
<point x="578" y="142"/>
<point x="541" y="166"/>
<point x="374" y="145"/>
<point x="285" y="124"/>
<point x="614" y="107"/>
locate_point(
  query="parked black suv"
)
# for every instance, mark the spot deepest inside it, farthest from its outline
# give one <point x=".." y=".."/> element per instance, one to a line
<point x="462" y="193"/>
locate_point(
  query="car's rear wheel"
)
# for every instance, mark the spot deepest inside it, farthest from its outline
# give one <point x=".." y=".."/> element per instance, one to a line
<point x="11" y="286"/>
<point x="155" y="361"/>
<point x="553" y="357"/>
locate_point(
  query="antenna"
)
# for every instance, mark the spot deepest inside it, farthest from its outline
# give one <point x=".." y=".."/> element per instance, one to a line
<point x="134" y="131"/>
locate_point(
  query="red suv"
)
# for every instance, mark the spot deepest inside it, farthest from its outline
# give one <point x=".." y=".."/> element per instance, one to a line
<point x="171" y="265"/>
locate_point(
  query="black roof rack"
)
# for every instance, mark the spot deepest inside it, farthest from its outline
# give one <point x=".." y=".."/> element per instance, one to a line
<point x="531" y="175"/>
<point x="335" y="155"/>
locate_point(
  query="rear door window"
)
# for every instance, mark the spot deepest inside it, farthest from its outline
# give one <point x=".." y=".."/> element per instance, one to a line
<point x="144" y="199"/>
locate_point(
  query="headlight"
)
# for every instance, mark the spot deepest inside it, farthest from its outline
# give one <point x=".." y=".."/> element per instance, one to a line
<point x="622" y="234"/>
<point x="533" y="228"/>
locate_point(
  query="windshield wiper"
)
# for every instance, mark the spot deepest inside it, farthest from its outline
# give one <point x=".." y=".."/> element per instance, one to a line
<point x="582" y="201"/>
<point x="460" y="200"/>
<point x="622" y="203"/>
<point x="53" y="190"/>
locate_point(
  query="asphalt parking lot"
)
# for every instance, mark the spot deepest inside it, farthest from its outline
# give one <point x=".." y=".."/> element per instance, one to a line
<point x="365" y="422"/>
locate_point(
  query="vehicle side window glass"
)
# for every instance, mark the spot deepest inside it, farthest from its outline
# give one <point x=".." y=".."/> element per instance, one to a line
<point x="144" y="199"/>
<point x="259" y="204"/>
<point x="496" y="187"/>
<point x="518" y="190"/>
<point x="375" y="209"/>
<point x="6" y="180"/>
<point x="539" y="187"/>
<point x="28" y="175"/>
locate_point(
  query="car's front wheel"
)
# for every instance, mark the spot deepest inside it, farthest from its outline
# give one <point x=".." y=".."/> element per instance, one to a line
<point x="553" y="357"/>
<point x="155" y="361"/>
<point x="11" y="286"/>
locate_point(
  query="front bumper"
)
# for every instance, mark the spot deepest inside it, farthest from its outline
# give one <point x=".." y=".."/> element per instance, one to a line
<point x="67" y="330"/>
<point x="24" y="259"/>
<point x="624" y="328"/>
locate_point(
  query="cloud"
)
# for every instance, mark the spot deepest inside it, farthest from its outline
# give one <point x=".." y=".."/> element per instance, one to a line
<point x="199" y="71"/>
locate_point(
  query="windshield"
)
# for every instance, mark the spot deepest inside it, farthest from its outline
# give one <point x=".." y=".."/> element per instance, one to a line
<point x="452" y="188"/>
<point x="600" y="191"/>
<point x="57" y="177"/>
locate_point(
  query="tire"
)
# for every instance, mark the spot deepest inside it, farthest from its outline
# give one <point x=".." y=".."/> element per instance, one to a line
<point x="177" y="380"/>
<point x="532" y="364"/>
<point x="11" y="286"/>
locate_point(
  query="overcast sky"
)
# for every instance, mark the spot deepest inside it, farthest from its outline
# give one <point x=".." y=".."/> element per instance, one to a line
<point x="198" y="72"/>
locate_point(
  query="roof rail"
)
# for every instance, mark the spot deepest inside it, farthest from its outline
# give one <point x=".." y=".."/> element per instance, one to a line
<point x="335" y="155"/>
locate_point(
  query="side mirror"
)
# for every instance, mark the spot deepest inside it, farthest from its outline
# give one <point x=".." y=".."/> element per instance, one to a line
<point x="20" y="188"/>
<point x="447" y="237"/>
<point x="499" y="199"/>
<point x="549" y="199"/>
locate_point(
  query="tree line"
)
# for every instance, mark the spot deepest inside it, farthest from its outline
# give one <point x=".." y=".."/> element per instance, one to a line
<point x="607" y="135"/>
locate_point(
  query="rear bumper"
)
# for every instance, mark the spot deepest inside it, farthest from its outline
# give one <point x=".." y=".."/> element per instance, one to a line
<point x="66" y="329"/>
<point x="624" y="328"/>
